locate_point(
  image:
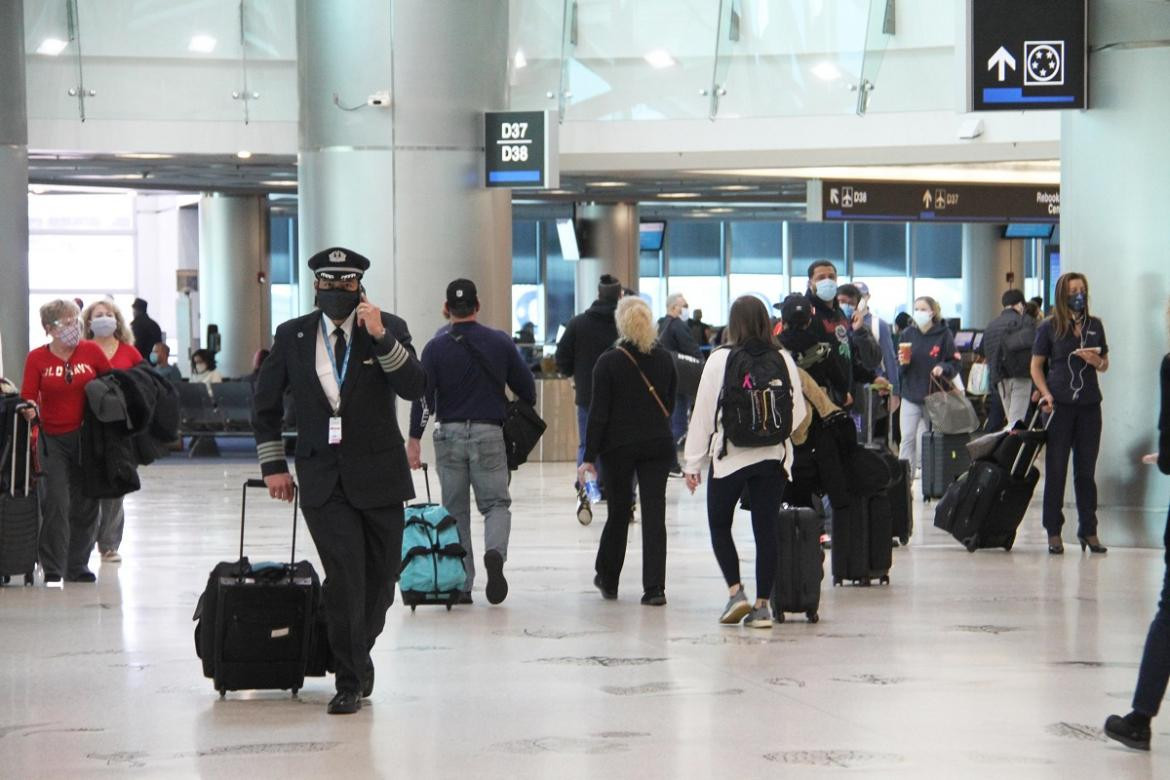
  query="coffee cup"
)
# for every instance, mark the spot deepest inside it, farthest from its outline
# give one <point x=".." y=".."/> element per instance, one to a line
<point x="904" y="353"/>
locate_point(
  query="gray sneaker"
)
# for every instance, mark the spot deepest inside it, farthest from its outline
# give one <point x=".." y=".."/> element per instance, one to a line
<point x="760" y="617"/>
<point x="737" y="607"/>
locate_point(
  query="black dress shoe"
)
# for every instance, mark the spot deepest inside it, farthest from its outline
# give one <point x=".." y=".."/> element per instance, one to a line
<point x="1128" y="733"/>
<point x="368" y="680"/>
<point x="497" y="586"/>
<point x="654" y="599"/>
<point x="85" y="576"/>
<point x="609" y="594"/>
<point x="345" y="703"/>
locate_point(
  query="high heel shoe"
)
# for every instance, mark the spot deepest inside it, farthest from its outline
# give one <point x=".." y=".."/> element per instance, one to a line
<point x="1093" y="543"/>
<point x="1055" y="546"/>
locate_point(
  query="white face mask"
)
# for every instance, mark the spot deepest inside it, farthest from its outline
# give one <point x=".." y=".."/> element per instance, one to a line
<point x="103" y="326"/>
<point x="922" y="319"/>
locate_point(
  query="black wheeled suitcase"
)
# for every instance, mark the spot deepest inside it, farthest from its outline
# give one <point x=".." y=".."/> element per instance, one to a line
<point x="259" y="625"/>
<point x="801" y="565"/>
<point x="902" y="504"/>
<point x="944" y="457"/>
<point x="862" y="541"/>
<point x="20" y="515"/>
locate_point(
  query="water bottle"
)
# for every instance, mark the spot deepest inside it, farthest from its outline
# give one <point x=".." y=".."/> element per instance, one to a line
<point x="592" y="491"/>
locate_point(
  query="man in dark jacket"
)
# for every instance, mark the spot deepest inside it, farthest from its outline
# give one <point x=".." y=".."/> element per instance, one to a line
<point x="831" y="327"/>
<point x="146" y="331"/>
<point x="344" y="366"/>
<point x="1007" y="345"/>
<point x="674" y="335"/>
<point x="586" y="336"/>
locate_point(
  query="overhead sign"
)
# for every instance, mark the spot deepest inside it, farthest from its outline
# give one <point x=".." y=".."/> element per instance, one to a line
<point x="520" y="149"/>
<point x="1027" y="54"/>
<point x="872" y="201"/>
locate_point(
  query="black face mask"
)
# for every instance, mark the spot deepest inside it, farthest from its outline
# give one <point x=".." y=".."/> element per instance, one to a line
<point x="338" y="304"/>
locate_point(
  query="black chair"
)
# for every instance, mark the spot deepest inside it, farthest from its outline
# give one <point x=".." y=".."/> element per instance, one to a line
<point x="197" y="412"/>
<point x="234" y="402"/>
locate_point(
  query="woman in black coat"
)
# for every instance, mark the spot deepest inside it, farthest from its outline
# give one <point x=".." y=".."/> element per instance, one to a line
<point x="1133" y="730"/>
<point x="628" y="426"/>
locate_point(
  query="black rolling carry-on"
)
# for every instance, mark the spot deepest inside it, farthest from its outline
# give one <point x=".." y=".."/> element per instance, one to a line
<point x="20" y="516"/>
<point x="898" y="489"/>
<point x="944" y="457"/>
<point x="801" y="565"/>
<point x="259" y="625"/>
<point x="902" y="504"/>
<point x="862" y="541"/>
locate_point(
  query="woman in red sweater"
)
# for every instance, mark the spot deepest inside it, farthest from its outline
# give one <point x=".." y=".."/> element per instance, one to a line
<point x="103" y="322"/>
<point x="55" y="376"/>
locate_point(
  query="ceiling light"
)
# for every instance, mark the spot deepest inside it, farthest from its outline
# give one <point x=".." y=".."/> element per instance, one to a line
<point x="52" y="46"/>
<point x="38" y="189"/>
<point x="275" y="183"/>
<point x="243" y="154"/>
<point x="826" y="71"/>
<point x="606" y="184"/>
<point x="721" y="210"/>
<point x="736" y="187"/>
<point x="143" y="156"/>
<point x="519" y="60"/>
<point x="204" y="44"/>
<point x="659" y="58"/>
<point x="678" y="195"/>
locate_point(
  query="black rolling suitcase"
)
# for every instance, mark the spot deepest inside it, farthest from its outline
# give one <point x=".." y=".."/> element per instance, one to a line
<point x="898" y="489"/>
<point x="20" y="515"/>
<point x="801" y="565"/>
<point x="944" y="457"/>
<point x="862" y="541"/>
<point x="259" y="625"/>
<point x="902" y="504"/>
<point x="985" y="506"/>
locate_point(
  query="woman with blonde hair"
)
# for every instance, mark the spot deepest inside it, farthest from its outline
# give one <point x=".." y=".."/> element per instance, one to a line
<point x="1069" y="352"/>
<point x="629" y="428"/>
<point x="926" y="353"/>
<point x="102" y="322"/>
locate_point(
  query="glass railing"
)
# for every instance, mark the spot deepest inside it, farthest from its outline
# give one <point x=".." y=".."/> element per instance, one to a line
<point x="176" y="60"/>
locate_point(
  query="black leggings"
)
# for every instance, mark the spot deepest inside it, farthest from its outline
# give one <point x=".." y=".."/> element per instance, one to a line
<point x="765" y="483"/>
<point x="1074" y="430"/>
<point x="649" y="462"/>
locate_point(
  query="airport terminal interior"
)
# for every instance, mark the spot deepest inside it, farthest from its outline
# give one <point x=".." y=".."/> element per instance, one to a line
<point x="221" y="167"/>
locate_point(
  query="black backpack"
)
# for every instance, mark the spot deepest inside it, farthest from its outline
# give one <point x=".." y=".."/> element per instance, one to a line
<point x="756" y="399"/>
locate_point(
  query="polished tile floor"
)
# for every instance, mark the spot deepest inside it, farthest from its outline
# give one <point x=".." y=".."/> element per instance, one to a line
<point x="985" y="665"/>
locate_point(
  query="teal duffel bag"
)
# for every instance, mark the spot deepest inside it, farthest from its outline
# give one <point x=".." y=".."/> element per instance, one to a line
<point x="432" y="557"/>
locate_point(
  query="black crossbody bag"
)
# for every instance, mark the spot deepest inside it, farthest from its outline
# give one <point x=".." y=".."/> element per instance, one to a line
<point x="523" y="427"/>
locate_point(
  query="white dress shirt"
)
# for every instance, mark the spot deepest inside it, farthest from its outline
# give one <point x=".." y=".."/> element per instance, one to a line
<point x="325" y="366"/>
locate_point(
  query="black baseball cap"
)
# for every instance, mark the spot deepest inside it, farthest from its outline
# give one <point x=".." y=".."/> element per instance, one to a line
<point x="794" y="310"/>
<point x="462" y="297"/>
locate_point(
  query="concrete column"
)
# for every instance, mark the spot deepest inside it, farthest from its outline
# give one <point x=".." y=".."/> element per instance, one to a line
<point x="1114" y="166"/>
<point x="14" y="315"/>
<point x="614" y="231"/>
<point x="404" y="185"/>
<point x="233" y="278"/>
<point x="987" y="261"/>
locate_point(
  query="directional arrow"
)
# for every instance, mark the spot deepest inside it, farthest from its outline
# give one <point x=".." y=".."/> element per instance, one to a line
<point x="1001" y="59"/>
<point x="834" y="198"/>
<point x="926" y="200"/>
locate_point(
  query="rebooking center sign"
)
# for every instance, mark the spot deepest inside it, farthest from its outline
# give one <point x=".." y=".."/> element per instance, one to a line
<point x="520" y="149"/>
<point x="1027" y="54"/>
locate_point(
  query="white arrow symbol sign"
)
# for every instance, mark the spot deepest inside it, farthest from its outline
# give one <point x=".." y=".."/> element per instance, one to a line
<point x="926" y="200"/>
<point x="1001" y="59"/>
<point x="834" y="198"/>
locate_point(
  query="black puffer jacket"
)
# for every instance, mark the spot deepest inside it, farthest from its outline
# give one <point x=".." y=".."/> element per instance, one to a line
<point x="586" y="336"/>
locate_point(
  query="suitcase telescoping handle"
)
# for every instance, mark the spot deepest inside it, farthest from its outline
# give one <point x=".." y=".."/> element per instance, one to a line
<point x="259" y="483"/>
<point x="11" y="447"/>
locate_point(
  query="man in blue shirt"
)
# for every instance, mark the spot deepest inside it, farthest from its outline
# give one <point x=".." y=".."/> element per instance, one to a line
<point x="468" y="366"/>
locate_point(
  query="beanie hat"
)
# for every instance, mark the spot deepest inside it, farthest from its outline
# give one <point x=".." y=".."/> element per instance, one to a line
<point x="610" y="289"/>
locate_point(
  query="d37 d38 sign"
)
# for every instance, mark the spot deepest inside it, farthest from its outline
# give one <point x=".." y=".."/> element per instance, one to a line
<point x="520" y="149"/>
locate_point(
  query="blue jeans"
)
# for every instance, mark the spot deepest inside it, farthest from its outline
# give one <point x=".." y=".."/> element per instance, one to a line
<point x="1155" y="668"/>
<point x="471" y="456"/>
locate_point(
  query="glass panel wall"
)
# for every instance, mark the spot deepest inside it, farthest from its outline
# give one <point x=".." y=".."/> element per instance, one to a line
<point x="938" y="265"/>
<point x="879" y="258"/>
<point x="756" y="264"/>
<point x="695" y="266"/>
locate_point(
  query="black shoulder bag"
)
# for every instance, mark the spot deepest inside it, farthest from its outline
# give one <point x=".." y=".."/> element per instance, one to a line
<point x="522" y="425"/>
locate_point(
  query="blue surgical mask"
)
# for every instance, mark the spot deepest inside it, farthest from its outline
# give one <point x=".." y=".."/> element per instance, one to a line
<point x="1077" y="302"/>
<point x="826" y="289"/>
<point x="848" y="309"/>
<point x="154" y="358"/>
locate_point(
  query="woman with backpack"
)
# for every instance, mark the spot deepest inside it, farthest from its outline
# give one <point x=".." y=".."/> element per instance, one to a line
<point x="628" y="425"/>
<point x="748" y="404"/>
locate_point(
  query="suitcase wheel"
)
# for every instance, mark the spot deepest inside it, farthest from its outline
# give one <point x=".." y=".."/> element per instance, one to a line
<point x="905" y="540"/>
<point x="813" y="617"/>
<point x="222" y="693"/>
<point x="28" y="580"/>
<point x="294" y="692"/>
<point x="884" y="579"/>
<point x="5" y="580"/>
<point x="412" y="608"/>
<point x="448" y="607"/>
<point x="779" y="617"/>
<point x="837" y="581"/>
<point x="1008" y="544"/>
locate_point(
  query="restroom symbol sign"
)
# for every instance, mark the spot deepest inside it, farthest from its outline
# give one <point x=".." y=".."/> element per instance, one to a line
<point x="1043" y="63"/>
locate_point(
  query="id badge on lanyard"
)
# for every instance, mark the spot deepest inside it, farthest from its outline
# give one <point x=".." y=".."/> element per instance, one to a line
<point x="335" y="420"/>
<point x="335" y="430"/>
